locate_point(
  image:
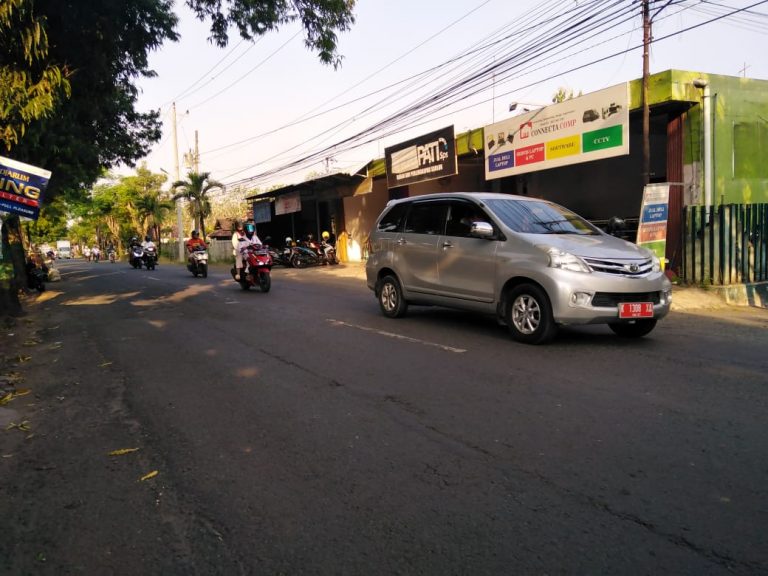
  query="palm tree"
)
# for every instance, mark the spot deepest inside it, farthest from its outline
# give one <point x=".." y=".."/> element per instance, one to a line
<point x="152" y="210"/>
<point x="195" y="190"/>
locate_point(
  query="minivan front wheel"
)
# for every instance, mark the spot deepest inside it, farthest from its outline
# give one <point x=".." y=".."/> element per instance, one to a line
<point x="636" y="329"/>
<point x="529" y="315"/>
<point x="391" y="299"/>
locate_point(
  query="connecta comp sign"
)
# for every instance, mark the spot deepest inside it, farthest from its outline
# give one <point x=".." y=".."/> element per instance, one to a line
<point x="21" y="188"/>
<point x="427" y="157"/>
<point x="590" y="127"/>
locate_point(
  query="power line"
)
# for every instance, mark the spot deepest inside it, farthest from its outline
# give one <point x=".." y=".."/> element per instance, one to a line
<point x="355" y="141"/>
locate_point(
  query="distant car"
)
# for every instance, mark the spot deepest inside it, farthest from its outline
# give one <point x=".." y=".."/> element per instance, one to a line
<point x="590" y="115"/>
<point x="533" y="264"/>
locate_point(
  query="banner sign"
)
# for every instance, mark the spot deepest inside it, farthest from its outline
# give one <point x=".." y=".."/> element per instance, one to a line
<point x="652" y="228"/>
<point x="288" y="203"/>
<point x="21" y="188"/>
<point x="427" y="157"/>
<point x="262" y="212"/>
<point x="590" y="127"/>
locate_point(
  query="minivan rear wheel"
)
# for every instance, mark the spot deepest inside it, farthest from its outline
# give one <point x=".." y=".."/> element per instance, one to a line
<point x="391" y="299"/>
<point x="529" y="315"/>
<point x="636" y="329"/>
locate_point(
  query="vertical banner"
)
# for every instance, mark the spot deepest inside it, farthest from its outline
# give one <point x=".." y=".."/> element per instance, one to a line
<point x="652" y="229"/>
<point x="21" y="188"/>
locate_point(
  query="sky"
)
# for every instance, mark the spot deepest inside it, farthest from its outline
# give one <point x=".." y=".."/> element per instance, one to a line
<point x="258" y="106"/>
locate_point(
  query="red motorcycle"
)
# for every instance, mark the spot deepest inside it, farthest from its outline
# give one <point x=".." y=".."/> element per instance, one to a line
<point x="258" y="268"/>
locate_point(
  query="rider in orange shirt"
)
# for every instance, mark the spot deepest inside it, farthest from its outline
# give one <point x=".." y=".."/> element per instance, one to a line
<point x="195" y="242"/>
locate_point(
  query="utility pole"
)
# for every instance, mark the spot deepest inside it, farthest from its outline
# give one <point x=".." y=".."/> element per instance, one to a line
<point x="179" y="221"/>
<point x="646" y="108"/>
<point x="197" y="155"/>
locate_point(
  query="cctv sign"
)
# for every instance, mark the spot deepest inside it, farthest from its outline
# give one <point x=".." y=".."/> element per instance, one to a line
<point x="427" y="157"/>
<point x="590" y="127"/>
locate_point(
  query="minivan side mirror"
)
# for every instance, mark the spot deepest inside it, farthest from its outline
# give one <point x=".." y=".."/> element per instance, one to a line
<point x="481" y="230"/>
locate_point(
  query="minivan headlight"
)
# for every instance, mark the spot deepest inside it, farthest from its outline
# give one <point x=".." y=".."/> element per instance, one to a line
<point x="656" y="263"/>
<point x="565" y="260"/>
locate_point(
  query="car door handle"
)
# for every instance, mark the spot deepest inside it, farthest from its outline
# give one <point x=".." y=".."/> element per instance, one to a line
<point x="401" y="241"/>
<point x="447" y="245"/>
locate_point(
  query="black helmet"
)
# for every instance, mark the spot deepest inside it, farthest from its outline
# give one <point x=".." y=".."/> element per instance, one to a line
<point x="195" y="233"/>
<point x="147" y="238"/>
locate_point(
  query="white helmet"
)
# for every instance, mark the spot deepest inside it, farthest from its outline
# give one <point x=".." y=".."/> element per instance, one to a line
<point x="288" y="240"/>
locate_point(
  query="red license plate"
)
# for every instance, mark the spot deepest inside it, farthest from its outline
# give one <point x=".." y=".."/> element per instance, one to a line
<point x="636" y="310"/>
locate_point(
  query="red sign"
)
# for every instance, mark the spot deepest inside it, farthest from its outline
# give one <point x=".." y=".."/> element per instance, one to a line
<point x="529" y="154"/>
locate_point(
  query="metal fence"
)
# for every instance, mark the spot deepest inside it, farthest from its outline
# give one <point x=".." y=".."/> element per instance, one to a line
<point x="727" y="244"/>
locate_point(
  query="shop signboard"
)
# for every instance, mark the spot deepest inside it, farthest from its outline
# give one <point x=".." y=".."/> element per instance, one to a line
<point x="590" y="127"/>
<point x="427" y="157"/>
<point x="21" y="188"/>
<point x="288" y="203"/>
<point x="262" y="211"/>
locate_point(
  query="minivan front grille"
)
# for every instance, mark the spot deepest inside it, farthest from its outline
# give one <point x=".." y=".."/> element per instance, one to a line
<point x="632" y="268"/>
<point x="613" y="299"/>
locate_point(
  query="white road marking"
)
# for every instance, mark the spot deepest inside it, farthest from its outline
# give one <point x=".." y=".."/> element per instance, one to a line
<point x="397" y="336"/>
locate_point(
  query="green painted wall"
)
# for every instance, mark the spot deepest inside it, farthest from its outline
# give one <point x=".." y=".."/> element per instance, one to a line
<point x="739" y="127"/>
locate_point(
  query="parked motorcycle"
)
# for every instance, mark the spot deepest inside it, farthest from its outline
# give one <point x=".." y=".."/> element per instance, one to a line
<point x="136" y="256"/>
<point x="150" y="257"/>
<point x="329" y="252"/>
<point x="303" y="256"/>
<point x="197" y="262"/>
<point x="257" y="270"/>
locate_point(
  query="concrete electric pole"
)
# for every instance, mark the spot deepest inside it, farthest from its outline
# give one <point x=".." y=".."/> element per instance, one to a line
<point x="179" y="220"/>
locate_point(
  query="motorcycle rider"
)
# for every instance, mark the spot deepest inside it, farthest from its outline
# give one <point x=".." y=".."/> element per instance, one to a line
<point x="244" y="236"/>
<point x="148" y="243"/>
<point x="195" y="242"/>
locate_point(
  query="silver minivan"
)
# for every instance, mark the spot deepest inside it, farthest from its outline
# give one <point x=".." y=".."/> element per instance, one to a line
<point x="532" y="263"/>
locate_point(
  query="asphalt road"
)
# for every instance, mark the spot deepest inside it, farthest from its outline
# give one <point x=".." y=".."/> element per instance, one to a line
<point x="301" y="432"/>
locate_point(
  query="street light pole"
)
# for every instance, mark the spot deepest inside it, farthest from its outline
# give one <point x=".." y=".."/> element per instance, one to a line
<point x="179" y="222"/>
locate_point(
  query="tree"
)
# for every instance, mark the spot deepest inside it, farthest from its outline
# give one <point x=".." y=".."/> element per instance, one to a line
<point x="320" y="19"/>
<point x="195" y="190"/>
<point x="563" y="94"/>
<point x="30" y="86"/>
<point x="106" y="47"/>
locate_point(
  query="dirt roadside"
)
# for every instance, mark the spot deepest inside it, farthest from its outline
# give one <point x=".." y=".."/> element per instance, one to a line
<point x="66" y="505"/>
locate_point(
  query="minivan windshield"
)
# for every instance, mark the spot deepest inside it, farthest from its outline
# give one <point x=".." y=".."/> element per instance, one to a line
<point x="539" y="217"/>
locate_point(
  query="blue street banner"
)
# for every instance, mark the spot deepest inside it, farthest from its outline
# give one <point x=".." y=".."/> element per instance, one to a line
<point x="21" y="188"/>
<point x="652" y="229"/>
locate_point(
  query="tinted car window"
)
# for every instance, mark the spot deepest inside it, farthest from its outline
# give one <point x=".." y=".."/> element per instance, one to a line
<point x="426" y="218"/>
<point x="392" y="220"/>
<point x="461" y="217"/>
<point x="539" y="217"/>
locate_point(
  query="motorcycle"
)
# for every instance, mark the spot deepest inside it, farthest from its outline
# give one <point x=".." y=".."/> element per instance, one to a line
<point x="330" y="253"/>
<point x="323" y="253"/>
<point x="303" y="256"/>
<point x="281" y="257"/>
<point x="112" y="256"/>
<point x="150" y="257"/>
<point x="136" y="256"/>
<point x="257" y="270"/>
<point x="197" y="262"/>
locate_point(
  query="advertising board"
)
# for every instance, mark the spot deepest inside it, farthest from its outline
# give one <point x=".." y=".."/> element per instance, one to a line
<point x="427" y="157"/>
<point x="21" y="188"/>
<point x="590" y="127"/>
